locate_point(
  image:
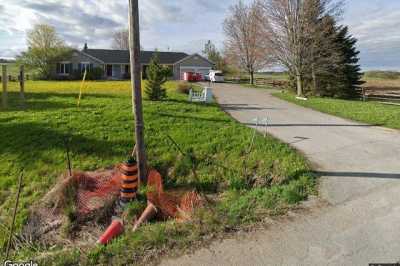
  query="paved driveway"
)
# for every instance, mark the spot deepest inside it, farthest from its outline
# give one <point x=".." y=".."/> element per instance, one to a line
<point x="359" y="166"/>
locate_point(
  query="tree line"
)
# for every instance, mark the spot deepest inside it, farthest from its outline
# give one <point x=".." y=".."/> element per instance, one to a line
<point x="304" y="36"/>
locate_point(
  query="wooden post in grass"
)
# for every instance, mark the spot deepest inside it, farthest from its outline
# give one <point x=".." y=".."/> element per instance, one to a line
<point x="4" y="80"/>
<point x="136" y="83"/>
<point x="14" y="215"/>
<point x="22" y="83"/>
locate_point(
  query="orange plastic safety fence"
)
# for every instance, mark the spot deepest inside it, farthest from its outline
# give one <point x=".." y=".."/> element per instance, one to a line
<point x="170" y="205"/>
<point x="96" y="190"/>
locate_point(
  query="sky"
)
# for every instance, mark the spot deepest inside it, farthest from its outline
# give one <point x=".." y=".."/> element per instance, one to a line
<point x="183" y="25"/>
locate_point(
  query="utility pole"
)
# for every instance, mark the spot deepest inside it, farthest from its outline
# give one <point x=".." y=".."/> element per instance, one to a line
<point x="136" y="83"/>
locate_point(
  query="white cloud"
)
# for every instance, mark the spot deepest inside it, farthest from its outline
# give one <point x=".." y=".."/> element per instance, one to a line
<point x="377" y="29"/>
<point x="94" y="21"/>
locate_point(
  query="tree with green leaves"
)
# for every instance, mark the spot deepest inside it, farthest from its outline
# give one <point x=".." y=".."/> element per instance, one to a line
<point x="157" y="75"/>
<point x="45" y="49"/>
<point x="212" y="53"/>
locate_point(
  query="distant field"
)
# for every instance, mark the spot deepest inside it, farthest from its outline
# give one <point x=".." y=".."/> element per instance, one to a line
<point x="382" y="74"/>
<point x="374" y="79"/>
<point x="13" y="70"/>
<point x="381" y="83"/>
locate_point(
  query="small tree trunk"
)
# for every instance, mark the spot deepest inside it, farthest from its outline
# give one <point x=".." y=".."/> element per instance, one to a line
<point x="299" y="83"/>
<point x="314" y="77"/>
<point x="251" y="77"/>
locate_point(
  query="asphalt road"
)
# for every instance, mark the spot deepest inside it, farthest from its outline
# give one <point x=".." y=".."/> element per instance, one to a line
<point x="359" y="166"/>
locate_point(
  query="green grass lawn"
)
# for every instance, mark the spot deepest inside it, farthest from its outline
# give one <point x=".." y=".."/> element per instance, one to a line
<point x="367" y="112"/>
<point x="101" y="135"/>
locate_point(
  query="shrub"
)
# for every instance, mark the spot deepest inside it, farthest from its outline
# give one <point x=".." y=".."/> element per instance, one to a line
<point x="95" y="74"/>
<point x="183" y="87"/>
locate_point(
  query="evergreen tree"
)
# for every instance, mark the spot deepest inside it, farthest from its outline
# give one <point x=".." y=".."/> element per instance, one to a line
<point x="327" y="59"/>
<point x="157" y="75"/>
<point x="350" y="76"/>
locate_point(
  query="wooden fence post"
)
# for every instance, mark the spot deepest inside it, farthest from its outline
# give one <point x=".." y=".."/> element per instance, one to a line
<point x="22" y="83"/>
<point x="4" y="80"/>
<point x="364" y="96"/>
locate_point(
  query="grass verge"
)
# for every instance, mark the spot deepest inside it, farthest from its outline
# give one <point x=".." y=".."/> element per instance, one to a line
<point x="373" y="113"/>
<point x="247" y="185"/>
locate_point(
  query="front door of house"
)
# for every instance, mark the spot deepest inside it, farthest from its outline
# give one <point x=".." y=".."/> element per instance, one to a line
<point x="109" y="70"/>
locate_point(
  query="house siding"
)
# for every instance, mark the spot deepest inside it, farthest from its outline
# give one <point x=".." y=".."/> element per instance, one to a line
<point x="192" y="62"/>
<point x="78" y="58"/>
<point x="177" y="70"/>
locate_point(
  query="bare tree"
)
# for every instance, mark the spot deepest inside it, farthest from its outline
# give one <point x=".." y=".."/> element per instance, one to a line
<point x="287" y="31"/>
<point x="295" y="33"/>
<point x="246" y="45"/>
<point x="121" y="40"/>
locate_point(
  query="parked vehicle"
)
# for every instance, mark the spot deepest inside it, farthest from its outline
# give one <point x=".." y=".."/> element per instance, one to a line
<point x="192" y="77"/>
<point x="215" y="76"/>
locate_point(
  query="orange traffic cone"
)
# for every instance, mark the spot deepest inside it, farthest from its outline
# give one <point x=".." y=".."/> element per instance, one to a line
<point x="148" y="213"/>
<point x="115" y="229"/>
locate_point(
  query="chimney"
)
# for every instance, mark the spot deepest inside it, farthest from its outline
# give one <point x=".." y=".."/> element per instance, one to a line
<point x="85" y="47"/>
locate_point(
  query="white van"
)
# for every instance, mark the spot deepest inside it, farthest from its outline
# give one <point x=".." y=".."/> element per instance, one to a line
<point x="217" y="74"/>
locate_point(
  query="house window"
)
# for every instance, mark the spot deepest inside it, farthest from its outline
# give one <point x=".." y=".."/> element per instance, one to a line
<point x="64" y="68"/>
<point x="85" y="66"/>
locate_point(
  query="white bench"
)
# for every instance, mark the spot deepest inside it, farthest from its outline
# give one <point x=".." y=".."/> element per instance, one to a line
<point x="201" y="96"/>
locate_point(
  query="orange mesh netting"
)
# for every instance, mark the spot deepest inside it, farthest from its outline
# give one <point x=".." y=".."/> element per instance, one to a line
<point x="168" y="204"/>
<point x="95" y="190"/>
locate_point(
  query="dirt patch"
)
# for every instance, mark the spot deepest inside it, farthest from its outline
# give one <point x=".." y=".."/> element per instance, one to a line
<point x="75" y="211"/>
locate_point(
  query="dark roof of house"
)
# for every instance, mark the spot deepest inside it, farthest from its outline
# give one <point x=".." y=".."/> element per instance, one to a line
<point x="122" y="56"/>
